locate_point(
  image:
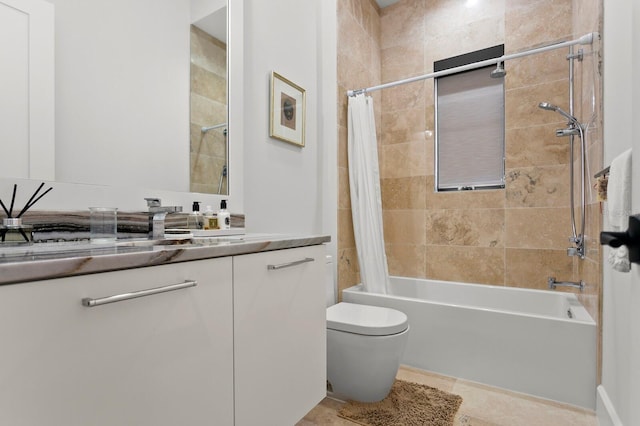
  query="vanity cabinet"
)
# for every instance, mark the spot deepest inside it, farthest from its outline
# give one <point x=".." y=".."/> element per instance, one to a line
<point x="279" y="335"/>
<point x="162" y="359"/>
<point x="230" y="340"/>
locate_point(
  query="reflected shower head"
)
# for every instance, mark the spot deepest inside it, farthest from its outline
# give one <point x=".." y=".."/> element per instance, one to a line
<point x="552" y="107"/>
<point x="499" y="72"/>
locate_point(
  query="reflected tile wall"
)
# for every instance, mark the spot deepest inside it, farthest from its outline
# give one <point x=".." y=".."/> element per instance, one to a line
<point x="208" y="154"/>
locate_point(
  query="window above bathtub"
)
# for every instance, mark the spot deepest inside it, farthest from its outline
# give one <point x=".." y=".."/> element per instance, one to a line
<point x="469" y="124"/>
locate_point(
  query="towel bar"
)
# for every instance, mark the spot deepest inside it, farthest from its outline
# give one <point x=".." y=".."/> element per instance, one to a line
<point x="602" y="172"/>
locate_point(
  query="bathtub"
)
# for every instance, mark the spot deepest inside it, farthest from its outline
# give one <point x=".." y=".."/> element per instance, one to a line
<point x="542" y="343"/>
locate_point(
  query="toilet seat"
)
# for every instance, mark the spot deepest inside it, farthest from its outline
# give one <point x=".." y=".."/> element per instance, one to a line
<point x="366" y="320"/>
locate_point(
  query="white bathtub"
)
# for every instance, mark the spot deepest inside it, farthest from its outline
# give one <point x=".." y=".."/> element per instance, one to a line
<point x="542" y="343"/>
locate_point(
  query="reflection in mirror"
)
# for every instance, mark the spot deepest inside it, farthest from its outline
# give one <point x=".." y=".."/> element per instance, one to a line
<point x="208" y="123"/>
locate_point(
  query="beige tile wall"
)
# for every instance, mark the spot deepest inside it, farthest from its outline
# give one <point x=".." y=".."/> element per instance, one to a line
<point x="514" y="237"/>
<point x="517" y="236"/>
<point x="208" y="107"/>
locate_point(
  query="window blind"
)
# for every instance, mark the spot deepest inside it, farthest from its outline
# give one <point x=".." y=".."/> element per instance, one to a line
<point x="469" y="131"/>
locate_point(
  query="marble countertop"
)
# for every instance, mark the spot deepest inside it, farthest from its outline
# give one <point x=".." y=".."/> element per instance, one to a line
<point x="54" y="260"/>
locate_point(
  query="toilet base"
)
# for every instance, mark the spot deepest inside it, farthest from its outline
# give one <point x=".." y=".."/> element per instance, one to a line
<point x="363" y="368"/>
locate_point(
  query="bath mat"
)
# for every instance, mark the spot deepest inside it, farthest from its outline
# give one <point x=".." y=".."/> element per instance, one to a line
<point x="407" y="404"/>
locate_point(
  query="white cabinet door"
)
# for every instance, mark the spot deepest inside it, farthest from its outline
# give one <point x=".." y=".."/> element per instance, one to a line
<point x="162" y="359"/>
<point x="279" y="335"/>
<point x="27" y="89"/>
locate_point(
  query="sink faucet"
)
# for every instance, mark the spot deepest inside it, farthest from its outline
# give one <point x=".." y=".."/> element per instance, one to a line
<point x="157" y="215"/>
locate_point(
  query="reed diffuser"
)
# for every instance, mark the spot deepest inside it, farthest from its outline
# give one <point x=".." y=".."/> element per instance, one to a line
<point x="12" y="231"/>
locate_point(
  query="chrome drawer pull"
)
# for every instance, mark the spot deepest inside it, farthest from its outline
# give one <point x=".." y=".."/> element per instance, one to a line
<point x="89" y="302"/>
<point x="289" y="264"/>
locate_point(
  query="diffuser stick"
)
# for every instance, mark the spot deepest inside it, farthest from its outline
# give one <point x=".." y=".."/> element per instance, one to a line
<point x="26" y="206"/>
<point x="29" y="204"/>
<point x="13" y="198"/>
<point x="24" y="235"/>
<point x="5" y="209"/>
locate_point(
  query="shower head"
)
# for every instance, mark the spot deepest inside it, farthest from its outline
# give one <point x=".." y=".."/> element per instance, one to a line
<point x="499" y="72"/>
<point x="547" y="106"/>
<point x="552" y="107"/>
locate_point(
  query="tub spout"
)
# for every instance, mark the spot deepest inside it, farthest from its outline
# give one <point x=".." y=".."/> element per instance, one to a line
<point x="553" y="284"/>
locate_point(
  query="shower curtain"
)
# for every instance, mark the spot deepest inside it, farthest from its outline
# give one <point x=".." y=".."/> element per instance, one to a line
<point x="366" y="201"/>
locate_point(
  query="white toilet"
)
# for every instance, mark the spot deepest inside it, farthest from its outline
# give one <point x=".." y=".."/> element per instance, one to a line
<point x="364" y="347"/>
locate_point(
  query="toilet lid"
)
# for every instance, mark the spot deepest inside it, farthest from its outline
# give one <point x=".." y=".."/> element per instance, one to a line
<point x="366" y="320"/>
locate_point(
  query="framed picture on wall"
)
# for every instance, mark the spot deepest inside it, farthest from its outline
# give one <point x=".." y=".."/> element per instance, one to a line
<point x="288" y="110"/>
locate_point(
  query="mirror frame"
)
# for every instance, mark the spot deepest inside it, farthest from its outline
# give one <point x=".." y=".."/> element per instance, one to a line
<point x="235" y="103"/>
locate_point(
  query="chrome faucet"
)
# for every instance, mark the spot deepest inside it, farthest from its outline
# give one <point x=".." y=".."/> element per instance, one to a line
<point x="553" y="284"/>
<point x="157" y="215"/>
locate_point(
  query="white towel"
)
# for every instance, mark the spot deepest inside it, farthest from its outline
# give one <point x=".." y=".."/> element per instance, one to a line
<point x="619" y="206"/>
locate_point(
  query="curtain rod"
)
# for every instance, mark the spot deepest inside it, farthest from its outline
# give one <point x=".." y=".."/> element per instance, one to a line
<point x="585" y="39"/>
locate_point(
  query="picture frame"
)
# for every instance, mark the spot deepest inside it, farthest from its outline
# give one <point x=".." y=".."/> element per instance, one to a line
<point x="288" y="110"/>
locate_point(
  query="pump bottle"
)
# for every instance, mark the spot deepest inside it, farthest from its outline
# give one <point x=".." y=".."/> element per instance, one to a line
<point x="224" y="217"/>
<point x="195" y="219"/>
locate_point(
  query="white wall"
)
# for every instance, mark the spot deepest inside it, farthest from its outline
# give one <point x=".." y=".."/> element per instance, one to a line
<point x="202" y="8"/>
<point x="122" y="92"/>
<point x="283" y="182"/>
<point x="328" y="127"/>
<point x="619" y="393"/>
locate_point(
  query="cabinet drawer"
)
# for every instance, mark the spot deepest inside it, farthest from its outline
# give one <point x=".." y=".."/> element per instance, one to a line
<point x="161" y="359"/>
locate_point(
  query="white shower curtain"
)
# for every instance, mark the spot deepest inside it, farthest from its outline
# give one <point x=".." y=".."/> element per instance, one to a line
<point x="366" y="201"/>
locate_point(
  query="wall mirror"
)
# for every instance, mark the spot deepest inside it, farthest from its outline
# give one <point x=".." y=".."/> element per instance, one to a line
<point x="125" y="115"/>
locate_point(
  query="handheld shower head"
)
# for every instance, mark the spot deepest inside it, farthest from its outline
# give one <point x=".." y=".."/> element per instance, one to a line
<point x="552" y="107"/>
<point x="547" y="106"/>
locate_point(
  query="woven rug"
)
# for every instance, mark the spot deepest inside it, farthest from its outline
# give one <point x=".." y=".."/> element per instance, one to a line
<point x="407" y="404"/>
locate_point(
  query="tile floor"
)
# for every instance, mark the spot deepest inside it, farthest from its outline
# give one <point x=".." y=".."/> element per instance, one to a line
<point x="482" y="405"/>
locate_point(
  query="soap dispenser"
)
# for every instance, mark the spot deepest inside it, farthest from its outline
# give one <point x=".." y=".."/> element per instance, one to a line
<point x="210" y="219"/>
<point x="195" y="219"/>
<point x="224" y="217"/>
